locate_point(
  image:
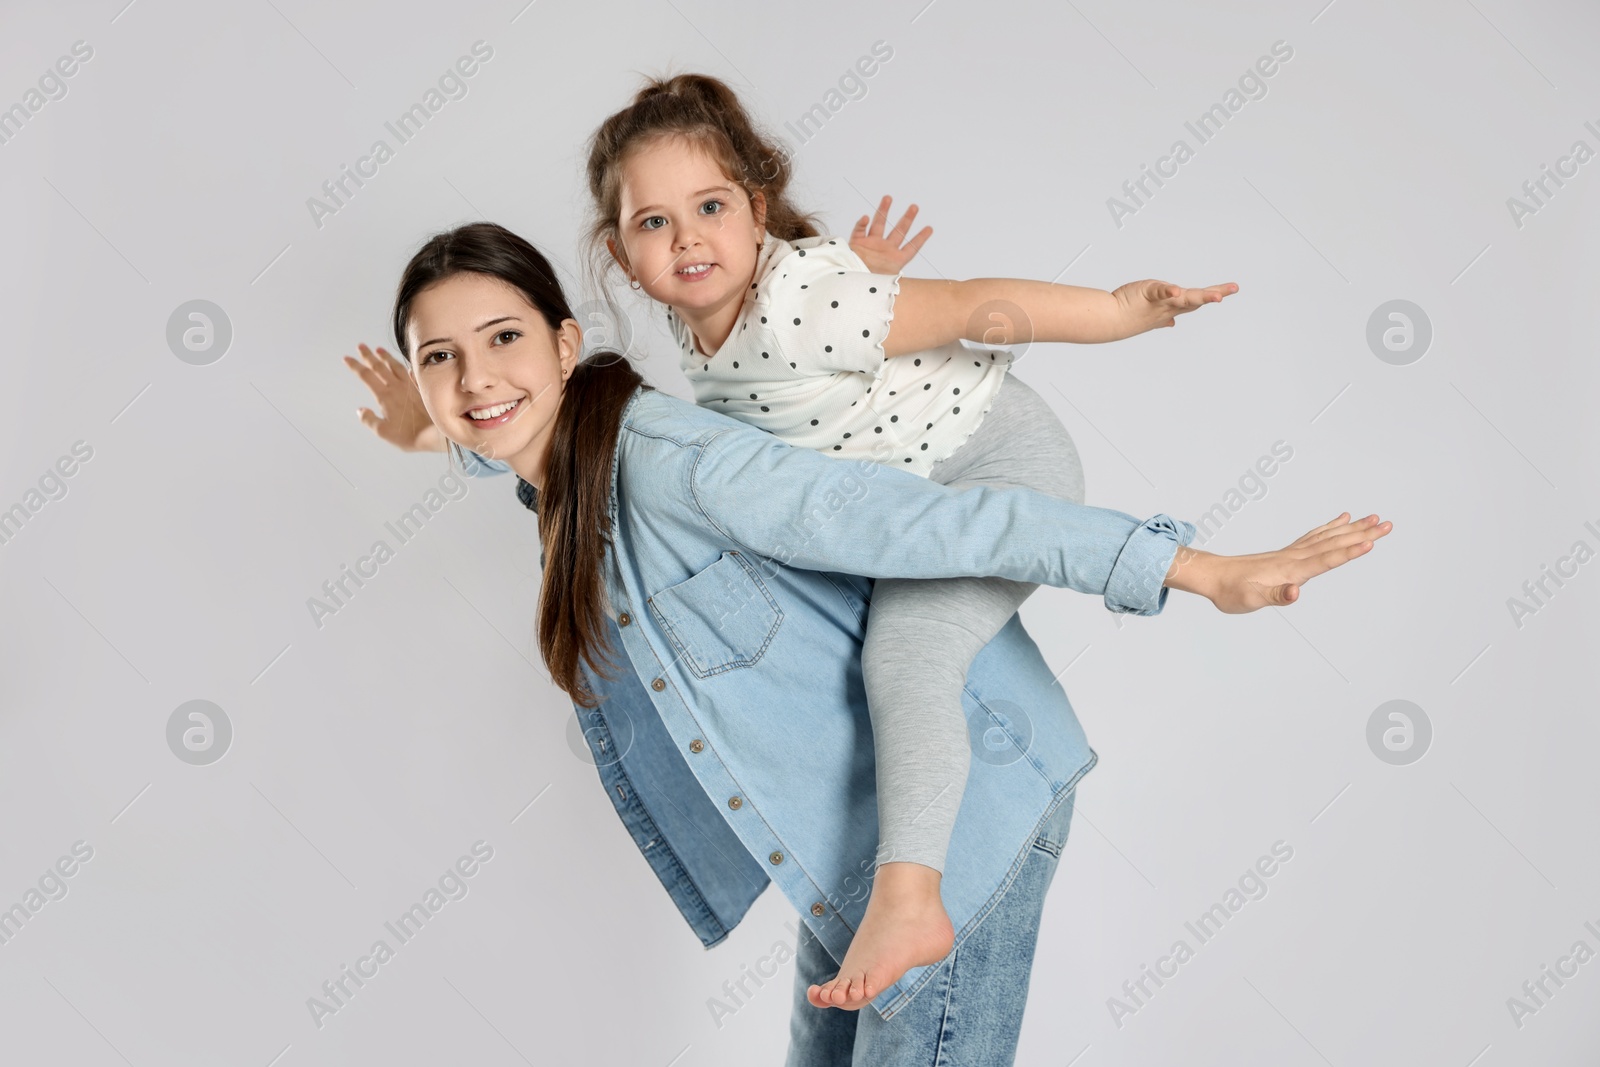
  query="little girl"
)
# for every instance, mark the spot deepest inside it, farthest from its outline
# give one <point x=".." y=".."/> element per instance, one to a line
<point x="787" y="329"/>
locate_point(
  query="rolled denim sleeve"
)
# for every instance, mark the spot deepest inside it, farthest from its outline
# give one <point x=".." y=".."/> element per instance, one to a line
<point x="1135" y="585"/>
<point x="808" y="510"/>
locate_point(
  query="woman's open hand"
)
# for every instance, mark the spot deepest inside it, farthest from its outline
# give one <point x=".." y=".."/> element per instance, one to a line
<point x="404" y="422"/>
<point x="883" y="253"/>
<point x="1239" y="584"/>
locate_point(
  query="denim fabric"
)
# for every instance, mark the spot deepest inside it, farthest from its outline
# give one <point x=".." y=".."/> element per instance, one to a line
<point x="970" y="1013"/>
<point x="478" y="466"/>
<point x="696" y="855"/>
<point x="740" y="569"/>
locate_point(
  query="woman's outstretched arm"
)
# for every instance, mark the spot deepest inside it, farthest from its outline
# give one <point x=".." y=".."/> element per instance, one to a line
<point x="808" y="510"/>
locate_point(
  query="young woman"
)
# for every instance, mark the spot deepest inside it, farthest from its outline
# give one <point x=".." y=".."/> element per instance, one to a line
<point x="732" y="569"/>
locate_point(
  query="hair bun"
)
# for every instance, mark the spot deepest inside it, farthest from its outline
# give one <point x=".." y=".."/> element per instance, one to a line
<point x="676" y="85"/>
<point x="655" y="87"/>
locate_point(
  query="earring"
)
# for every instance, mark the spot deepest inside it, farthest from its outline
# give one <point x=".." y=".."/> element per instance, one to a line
<point x="634" y="284"/>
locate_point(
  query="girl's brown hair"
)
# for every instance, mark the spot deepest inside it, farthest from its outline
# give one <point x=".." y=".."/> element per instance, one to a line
<point x="575" y="521"/>
<point x="708" y="113"/>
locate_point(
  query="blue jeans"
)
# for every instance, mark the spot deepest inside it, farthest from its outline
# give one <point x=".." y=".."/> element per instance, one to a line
<point x="969" y="1013"/>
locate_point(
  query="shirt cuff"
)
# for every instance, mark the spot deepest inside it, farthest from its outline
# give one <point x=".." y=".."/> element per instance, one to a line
<point x="1135" y="586"/>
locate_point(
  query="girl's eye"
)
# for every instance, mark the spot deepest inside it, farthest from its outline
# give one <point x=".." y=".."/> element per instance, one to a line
<point x="715" y="205"/>
<point x="512" y="334"/>
<point x="427" y="360"/>
<point x="649" y="223"/>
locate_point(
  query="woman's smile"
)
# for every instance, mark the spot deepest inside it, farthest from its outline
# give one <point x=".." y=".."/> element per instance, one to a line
<point x="486" y="416"/>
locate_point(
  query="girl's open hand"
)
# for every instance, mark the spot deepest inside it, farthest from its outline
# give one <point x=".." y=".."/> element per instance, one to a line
<point x="887" y="253"/>
<point x="404" y="422"/>
<point x="1151" y="303"/>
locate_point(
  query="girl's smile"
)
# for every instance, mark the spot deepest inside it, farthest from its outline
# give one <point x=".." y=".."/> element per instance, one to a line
<point x="696" y="272"/>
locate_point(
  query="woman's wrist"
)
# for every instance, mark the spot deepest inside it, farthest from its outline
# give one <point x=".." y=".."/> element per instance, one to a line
<point x="1193" y="571"/>
<point x="429" y="439"/>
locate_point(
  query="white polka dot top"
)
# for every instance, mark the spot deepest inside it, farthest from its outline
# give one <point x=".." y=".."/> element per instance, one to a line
<point x="805" y="362"/>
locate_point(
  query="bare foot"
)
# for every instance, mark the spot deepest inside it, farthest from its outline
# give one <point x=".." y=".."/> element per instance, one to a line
<point x="905" y="926"/>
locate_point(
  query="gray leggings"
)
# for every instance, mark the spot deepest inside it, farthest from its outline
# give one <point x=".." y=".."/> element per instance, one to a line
<point x="923" y="633"/>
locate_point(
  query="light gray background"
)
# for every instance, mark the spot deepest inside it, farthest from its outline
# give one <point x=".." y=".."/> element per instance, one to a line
<point x="369" y="754"/>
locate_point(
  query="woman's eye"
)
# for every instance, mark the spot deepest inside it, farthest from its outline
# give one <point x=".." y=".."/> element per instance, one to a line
<point x="428" y="359"/>
<point x="501" y="337"/>
<point x="714" y="205"/>
<point x="650" y="223"/>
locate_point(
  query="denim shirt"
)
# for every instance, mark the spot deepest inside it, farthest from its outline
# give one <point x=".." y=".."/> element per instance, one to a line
<point x="735" y="740"/>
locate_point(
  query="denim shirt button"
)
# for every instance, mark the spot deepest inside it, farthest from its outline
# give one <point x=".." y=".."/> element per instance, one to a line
<point x="697" y="745"/>
<point x="735" y="803"/>
<point x="624" y="619"/>
<point x="776" y="858"/>
<point x="658" y="685"/>
<point x="817" y="909"/>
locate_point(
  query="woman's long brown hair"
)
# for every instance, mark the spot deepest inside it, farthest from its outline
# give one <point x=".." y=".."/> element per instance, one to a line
<point x="574" y="504"/>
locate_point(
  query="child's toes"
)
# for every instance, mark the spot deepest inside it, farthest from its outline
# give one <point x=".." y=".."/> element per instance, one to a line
<point x="855" y="991"/>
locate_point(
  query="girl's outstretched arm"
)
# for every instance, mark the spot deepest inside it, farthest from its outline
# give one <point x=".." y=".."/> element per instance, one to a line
<point x="1008" y="311"/>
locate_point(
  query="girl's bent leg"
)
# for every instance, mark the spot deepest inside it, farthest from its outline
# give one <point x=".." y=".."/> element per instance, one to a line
<point x="922" y="636"/>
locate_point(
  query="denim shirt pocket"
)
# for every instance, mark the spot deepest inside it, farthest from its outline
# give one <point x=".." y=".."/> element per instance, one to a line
<point x="719" y="619"/>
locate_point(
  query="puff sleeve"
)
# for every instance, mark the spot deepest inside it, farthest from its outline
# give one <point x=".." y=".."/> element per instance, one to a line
<point x="823" y="309"/>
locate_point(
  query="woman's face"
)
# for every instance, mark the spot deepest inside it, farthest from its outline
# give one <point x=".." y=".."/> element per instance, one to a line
<point x="688" y="234"/>
<point x="489" y="368"/>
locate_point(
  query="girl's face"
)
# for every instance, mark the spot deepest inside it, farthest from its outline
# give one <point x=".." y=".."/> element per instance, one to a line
<point x="689" y="235"/>
<point x="489" y="368"/>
